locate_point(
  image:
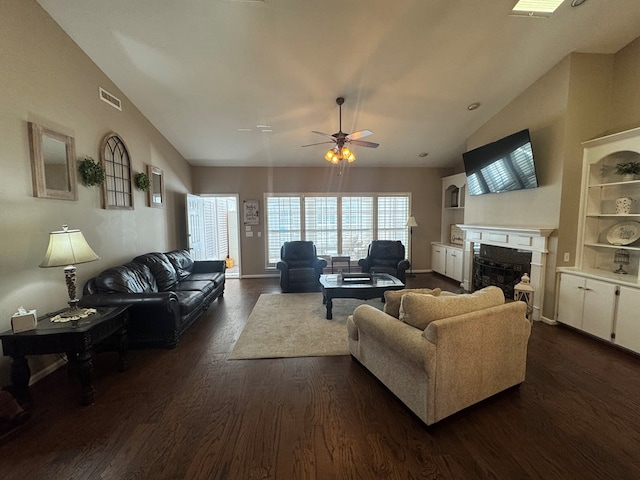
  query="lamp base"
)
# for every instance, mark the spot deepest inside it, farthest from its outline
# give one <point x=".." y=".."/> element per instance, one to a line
<point x="75" y="311"/>
<point x="620" y="270"/>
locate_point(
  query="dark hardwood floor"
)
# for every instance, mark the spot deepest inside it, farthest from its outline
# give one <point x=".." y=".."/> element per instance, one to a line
<point x="191" y="413"/>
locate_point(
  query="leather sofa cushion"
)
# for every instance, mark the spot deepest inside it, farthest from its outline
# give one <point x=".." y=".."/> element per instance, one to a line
<point x="182" y="263"/>
<point x="162" y="270"/>
<point x="392" y="298"/>
<point x="206" y="287"/>
<point x="214" y="277"/>
<point x="420" y="310"/>
<point x="189" y="301"/>
<point x="128" y="278"/>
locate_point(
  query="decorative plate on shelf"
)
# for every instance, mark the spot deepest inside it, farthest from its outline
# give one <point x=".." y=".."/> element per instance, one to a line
<point x="623" y="233"/>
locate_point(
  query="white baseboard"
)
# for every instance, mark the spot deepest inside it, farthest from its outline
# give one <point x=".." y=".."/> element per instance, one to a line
<point x="548" y="321"/>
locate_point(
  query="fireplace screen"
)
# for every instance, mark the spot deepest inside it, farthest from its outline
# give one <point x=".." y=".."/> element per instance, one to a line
<point x="499" y="266"/>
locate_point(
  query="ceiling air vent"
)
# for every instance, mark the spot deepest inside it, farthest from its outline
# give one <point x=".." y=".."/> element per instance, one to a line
<point x="110" y="99"/>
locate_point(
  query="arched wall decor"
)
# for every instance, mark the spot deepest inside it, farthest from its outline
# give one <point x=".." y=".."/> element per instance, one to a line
<point x="117" y="188"/>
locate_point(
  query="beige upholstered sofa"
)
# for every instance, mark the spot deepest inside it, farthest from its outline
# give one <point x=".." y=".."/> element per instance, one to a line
<point x="445" y="352"/>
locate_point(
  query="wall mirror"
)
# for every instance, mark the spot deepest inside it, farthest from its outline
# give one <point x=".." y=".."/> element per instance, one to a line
<point x="53" y="163"/>
<point x="156" y="187"/>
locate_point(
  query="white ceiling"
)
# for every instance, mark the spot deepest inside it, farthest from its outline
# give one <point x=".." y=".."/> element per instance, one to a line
<point x="199" y="70"/>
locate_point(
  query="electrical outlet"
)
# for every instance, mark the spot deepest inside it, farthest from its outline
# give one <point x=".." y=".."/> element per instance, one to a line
<point x="567" y="256"/>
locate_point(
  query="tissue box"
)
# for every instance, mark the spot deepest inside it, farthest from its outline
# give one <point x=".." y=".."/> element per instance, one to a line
<point x="22" y="322"/>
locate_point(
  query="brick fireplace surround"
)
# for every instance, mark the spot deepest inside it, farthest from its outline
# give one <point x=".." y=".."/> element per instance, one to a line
<point x="529" y="239"/>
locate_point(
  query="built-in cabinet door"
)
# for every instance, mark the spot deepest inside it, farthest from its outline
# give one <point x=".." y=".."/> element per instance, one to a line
<point x="571" y="300"/>
<point x="599" y="308"/>
<point x="628" y="319"/>
<point x="439" y="259"/>
<point x="454" y="263"/>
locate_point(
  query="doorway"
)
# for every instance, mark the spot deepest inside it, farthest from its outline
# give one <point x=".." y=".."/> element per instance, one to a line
<point x="212" y="230"/>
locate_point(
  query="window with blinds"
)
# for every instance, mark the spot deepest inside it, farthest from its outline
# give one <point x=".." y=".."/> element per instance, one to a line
<point x="337" y="224"/>
<point x="284" y="224"/>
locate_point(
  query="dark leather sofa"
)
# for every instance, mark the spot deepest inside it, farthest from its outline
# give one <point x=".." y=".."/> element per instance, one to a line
<point x="167" y="293"/>
<point x="300" y="267"/>
<point x="386" y="256"/>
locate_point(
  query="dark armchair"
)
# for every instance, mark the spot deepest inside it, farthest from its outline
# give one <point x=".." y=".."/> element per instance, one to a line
<point x="386" y="256"/>
<point x="300" y="268"/>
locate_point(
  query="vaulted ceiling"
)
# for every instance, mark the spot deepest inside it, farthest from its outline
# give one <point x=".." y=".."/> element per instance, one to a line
<point x="243" y="83"/>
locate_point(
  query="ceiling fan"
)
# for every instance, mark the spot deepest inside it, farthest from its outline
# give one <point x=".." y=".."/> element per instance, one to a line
<point x="341" y="140"/>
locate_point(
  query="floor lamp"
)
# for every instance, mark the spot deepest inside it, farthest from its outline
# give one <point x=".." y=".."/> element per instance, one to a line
<point x="411" y="222"/>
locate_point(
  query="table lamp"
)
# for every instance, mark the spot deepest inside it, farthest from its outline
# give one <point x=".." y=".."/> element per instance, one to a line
<point x="67" y="248"/>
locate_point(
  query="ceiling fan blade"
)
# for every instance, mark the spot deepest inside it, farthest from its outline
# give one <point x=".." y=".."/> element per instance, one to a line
<point x="360" y="134"/>
<point x="324" y="134"/>
<point x="362" y="143"/>
<point x="312" y="144"/>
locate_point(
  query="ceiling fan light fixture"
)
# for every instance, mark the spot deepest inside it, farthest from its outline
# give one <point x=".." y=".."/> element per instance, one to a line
<point x="336" y="155"/>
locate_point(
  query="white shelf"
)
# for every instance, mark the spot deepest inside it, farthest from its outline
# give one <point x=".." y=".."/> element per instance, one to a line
<point x="615" y="247"/>
<point x="601" y="188"/>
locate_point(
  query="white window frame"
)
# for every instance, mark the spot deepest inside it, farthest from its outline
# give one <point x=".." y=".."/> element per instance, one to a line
<point x="270" y="263"/>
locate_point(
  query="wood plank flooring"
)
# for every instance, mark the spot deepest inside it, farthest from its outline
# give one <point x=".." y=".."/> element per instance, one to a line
<point x="189" y="413"/>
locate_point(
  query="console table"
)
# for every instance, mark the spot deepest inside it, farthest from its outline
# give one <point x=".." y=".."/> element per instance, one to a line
<point x="77" y="341"/>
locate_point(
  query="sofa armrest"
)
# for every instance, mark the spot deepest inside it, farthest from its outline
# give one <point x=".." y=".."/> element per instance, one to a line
<point x="165" y="299"/>
<point x="403" y="265"/>
<point x="402" y="338"/>
<point x="209" y="266"/>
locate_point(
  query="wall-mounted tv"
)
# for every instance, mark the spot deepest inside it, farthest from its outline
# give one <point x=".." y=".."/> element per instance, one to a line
<point x="502" y="166"/>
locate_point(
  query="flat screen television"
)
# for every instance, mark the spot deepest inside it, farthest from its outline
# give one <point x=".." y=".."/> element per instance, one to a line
<point x="502" y="166"/>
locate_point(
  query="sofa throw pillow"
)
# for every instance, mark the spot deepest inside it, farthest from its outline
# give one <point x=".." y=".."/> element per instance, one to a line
<point x="162" y="270"/>
<point x="392" y="298"/>
<point x="420" y="310"/>
<point x="182" y="263"/>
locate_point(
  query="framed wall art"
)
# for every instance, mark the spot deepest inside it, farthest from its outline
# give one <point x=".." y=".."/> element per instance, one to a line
<point x="251" y="213"/>
<point x="456" y="235"/>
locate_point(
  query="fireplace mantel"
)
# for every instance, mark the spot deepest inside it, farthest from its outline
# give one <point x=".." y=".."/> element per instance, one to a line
<point x="532" y="239"/>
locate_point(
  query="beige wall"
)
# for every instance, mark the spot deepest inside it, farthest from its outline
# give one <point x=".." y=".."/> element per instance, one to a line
<point x="46" y="78"/>
<point x="424" y="184"/>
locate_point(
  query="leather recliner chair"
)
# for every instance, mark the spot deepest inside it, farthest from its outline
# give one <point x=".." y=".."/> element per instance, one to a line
<point x="386" y="256"/>
<point x="300" y="268"/>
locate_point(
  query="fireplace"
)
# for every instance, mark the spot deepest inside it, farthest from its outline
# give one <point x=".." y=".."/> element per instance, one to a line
<point x="522" y="245"/>
<point x="499" y="266"/>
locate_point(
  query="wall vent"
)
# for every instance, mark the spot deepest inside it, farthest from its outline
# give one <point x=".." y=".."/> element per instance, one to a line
<point x="110" y="99"/>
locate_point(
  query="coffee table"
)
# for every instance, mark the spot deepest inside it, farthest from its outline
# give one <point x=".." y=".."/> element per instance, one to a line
<point x="77" y="340"/>
<point x="361" y="286"/>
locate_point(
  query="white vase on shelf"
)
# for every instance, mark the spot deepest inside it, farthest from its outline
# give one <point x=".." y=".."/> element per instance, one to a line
<point x="623" y="205"/>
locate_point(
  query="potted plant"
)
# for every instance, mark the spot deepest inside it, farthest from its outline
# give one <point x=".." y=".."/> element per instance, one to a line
<point x="628" y="170"/>
<point x="91" y="172"/>
<point x="142" y="182"/>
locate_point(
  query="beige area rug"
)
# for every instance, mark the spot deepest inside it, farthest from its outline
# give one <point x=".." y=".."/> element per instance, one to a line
<point x="295" y="325"/>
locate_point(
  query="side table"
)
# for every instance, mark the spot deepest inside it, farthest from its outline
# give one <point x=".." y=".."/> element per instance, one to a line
<point x="77" y="341"/>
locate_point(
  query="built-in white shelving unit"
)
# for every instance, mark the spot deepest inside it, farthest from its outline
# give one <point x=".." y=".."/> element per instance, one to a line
<point x="596" y="296"/>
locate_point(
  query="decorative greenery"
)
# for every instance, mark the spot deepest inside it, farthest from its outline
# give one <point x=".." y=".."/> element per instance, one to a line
<point x="91" y="172"/>
<point x="142" y="182"/>
<point x="628" y="168"/>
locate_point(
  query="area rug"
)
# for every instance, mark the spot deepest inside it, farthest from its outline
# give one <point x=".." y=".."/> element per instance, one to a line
<point x="295" y="325"/>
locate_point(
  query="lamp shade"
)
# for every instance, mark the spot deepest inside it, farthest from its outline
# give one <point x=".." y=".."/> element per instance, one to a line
<point x="67" y="247"/>
<point x="411" y="222"/>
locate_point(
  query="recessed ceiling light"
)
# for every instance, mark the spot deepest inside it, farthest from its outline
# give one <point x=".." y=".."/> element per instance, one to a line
<point x="473" y="106"/>
<point x="423" y="154"/>
<point x="577" y="3"/>
<point x="536" y="8"/>
<point x="263" y="126"/>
